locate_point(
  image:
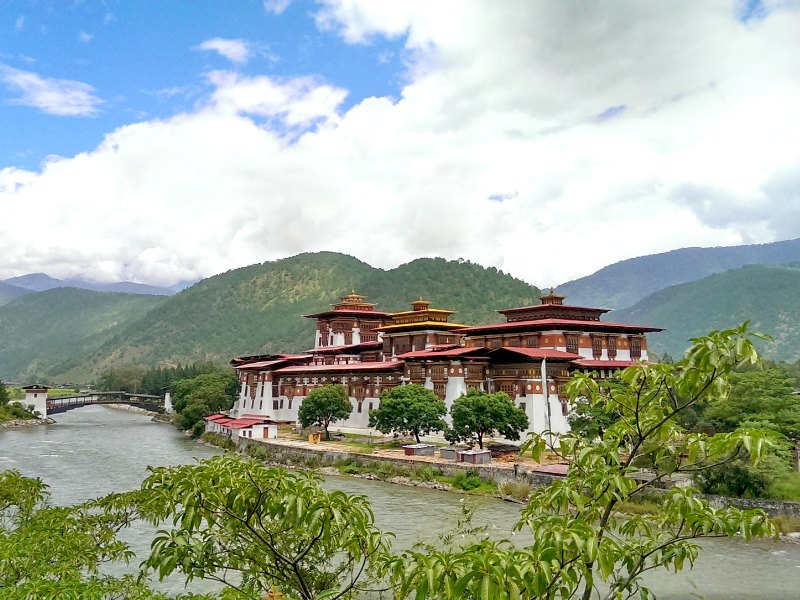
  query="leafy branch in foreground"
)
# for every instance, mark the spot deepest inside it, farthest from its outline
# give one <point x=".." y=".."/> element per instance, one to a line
<point x="578" y="540"/>
<point x="58" y="552"/>
<point x="254" y="528"/>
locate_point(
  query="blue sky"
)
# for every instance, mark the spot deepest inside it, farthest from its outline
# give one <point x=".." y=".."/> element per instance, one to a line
<point x="177" y="139"/>
<point x="142" y="60"/>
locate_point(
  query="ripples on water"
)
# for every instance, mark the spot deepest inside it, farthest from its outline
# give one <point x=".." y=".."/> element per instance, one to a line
<point x="96" y="450"/>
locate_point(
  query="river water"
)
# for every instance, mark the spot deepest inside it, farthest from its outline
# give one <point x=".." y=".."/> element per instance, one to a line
<point x="96" y="450"/>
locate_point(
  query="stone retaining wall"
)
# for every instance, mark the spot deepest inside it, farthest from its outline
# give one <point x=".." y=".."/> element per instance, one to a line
<point x="281" y="453"/>
<point x="773" y="508"/>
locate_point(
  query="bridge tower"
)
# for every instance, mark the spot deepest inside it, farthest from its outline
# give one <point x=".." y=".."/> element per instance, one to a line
<point x="36" y="396"/>
<point x="168" y="408"/>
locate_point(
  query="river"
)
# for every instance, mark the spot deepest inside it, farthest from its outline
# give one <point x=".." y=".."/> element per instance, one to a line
<point x="96" y="450"/>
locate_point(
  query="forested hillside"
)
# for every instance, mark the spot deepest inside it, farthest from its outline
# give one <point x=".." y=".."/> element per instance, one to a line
<point x="764" y="294"/>
<point x="624" y="283"/>
<point x="8" y="292"/>
<point x="259" y="308"/>
<point x="37" y="331"/>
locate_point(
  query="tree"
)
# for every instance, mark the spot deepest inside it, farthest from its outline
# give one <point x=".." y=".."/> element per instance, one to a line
<point x="589" y="421"/>
<point x="253" y="528"/>
<point x="123" y="378"/>
<point x="195" y="397"/>
<point x="409" y="409"/>
<point x="4" y="397"/>
<point x="578" y="538"/>
<point x="59" y="552"/>
<point x="323" y="406"/>
<point x="477" y="414"/>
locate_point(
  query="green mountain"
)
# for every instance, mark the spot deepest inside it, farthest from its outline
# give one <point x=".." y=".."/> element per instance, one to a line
<point x="624" y="283"/>
<point x="766" y="295"/>
<point x="259" y="308"/>
<point x="39" y="330"/>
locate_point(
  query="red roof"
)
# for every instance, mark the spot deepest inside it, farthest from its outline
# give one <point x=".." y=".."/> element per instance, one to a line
<point x="261" y="364"/>
<point x="572" y="324"/>
<point x="349" y="312"/>
<point x="434" y="354"/>
<point x="605" y="364"/>
<point x="222" y="420"/>
<point x="357" y="366"/>
<point x="216" y="417"/>
<point x="343" y="349"/>
<point x="539" y="353"/>
<point x="245" y="423"/>
<point x="539" y="307"/>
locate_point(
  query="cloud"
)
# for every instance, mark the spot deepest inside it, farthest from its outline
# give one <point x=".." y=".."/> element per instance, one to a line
<point x="276" y="7"/>
<point x="236" y="51"/>
<point x="19" y="24"/>
<point x="499" y="99"/>
<point x="62" y="97"/>
<point x="84" y="37"/>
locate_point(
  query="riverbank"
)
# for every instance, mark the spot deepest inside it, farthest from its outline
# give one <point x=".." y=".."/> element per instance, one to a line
<point x="510" y="482"/>
<point x="17" y="423"/>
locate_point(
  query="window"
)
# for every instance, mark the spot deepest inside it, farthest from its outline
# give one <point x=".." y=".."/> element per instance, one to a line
<point x="636" y="348"/>
<point x="281" y="403"/>
<point x="260" y="404"/>
<point x="360" y="403"/>
<point x="290" y="403"/>
<point x="572" y="343"/>
<point x="274" y="405"/>
<point x="369" y="406"/>
<point x="612" y="348"/>
<point x="522" y="405"/>
<point x="597" y="347"/>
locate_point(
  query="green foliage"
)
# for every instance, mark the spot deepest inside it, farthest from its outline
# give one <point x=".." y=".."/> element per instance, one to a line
<point x="478" y="414"/>
<point x="4" y="395"/>
<point x="424" y="473"/>
<point x="519" y="490"/>
<point x="589" y="421"/>
<point x="323" y="406"/>
<point x="254" y="528"/>
<point x="257" y="452"/>
<point x="579" y="548"/>
<point x="122" y="378"/>
<point x="409" y="409"/>
<point x="203" y="395"/>
<point x="467" y="480"/>
<point x="49" y="552"/>
<point x="220" y="441"/>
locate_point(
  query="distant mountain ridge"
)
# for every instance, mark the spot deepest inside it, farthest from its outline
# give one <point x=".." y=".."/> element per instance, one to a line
<point x="259" y="309"/>
<point x="41" y="282"/>
<point x="765" y="295"/>
<point x="624" y="283"/>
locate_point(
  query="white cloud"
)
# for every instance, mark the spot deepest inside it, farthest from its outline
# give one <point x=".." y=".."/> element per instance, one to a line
<point x="62" y="97"/>
<point x="236" y="51"/>
<point x="19" y="24"/>
<point x="84" y="37"/>
<point x="696" y="146"/>
<point x="276" y="7"/>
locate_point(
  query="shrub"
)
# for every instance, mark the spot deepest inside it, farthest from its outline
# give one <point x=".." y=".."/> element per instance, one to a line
<point x="786" y="487"/>
<point x="519" y="490"/>
<point x="257" y="452"/>
<point x="467" y="481"/>
<point x="787" y="524"/>
<point x="350" y="469"/>
<point x="198" y="429"/>
<point x="424" y="473"/>
<point x="386" y="470"/>
<point x="221" y="441"/>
